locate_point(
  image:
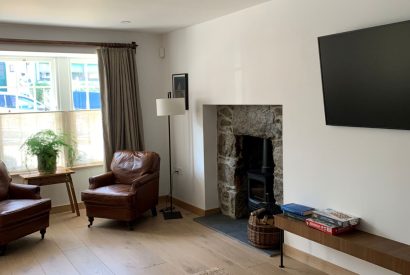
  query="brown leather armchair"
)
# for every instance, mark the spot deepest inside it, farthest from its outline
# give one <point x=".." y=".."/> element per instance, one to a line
<point x="22" y="211"/>
<point x="127" y="191"/>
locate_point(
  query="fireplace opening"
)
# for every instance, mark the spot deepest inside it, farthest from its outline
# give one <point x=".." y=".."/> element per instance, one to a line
<point x="255" y="171"/>
<point x="251" y="149"/>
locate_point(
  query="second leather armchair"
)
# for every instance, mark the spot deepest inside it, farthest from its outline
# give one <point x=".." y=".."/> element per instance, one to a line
<point x="127" y="191"/>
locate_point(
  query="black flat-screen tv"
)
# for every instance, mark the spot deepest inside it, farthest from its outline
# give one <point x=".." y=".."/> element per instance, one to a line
<point x="366" y="77"/>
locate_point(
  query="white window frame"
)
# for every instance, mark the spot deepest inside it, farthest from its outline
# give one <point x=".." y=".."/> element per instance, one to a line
<point x="85" y="61"/>
<point x="61" y="84"/>
<point x="53" y="72"/>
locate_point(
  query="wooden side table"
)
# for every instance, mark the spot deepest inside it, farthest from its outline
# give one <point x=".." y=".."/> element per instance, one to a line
<point x="380" y="251"/>
<point x="62" y="175"/>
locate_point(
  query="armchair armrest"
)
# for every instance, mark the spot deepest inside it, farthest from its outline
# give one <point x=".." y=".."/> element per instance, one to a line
<point x="24" y="191"/>
<point x="144" y="180"/>
<point x="101" y="180"/>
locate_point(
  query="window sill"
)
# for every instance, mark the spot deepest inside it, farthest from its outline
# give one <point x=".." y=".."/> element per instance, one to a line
<point x="84" y="166"/>
<point x="75" y="167"/>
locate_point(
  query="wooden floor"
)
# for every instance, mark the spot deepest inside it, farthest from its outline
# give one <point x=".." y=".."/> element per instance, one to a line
<point x="154" y="247"/>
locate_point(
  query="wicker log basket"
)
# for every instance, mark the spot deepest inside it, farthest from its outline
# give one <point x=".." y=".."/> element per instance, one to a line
<point x="261" y="230"/>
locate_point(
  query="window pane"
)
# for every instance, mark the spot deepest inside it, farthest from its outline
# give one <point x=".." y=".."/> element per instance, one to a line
<point x="27" y="86"/>
<point x="3" y="77"/>
<point x="25" y="103"/>
<point x="94" y="99"/>
<point x="80" y="99"/>
<point x="44" y="72"/>
<point x="77" y="73"/>
<point x="16" y="128"/>
<point x="86" y="127"/>
<point x="85" y="84"/>
<point x="92" y="72"/>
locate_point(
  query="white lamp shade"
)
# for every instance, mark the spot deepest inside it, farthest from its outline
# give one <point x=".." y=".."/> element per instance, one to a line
<point x="170" y="106"/>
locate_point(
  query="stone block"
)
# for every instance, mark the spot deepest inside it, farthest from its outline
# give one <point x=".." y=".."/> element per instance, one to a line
<point x="226" y="174"/>
<point x="226" y="145"/>
<point x="227" y="201"/>
<point x="225" y="122"/>
<point x="231" y="161"/>
<point x="255" y="120"/>
<point x="278" y="155"/>
<point x="278" y="189"/>
<point x="225" y="111"/>
<point x="277" y="110"/>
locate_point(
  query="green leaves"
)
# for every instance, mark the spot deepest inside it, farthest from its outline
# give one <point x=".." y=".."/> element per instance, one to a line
<point x="48" y="144"/>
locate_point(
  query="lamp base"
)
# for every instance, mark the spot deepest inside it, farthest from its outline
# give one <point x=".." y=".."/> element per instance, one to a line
<point x="170" y="215"/>
<point x="166" y="209"/>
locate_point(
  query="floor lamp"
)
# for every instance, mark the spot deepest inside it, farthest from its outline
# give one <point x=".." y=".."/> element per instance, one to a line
<point x="170" y="107"/>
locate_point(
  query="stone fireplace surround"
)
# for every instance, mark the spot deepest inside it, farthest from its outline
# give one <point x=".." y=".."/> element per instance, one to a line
<point x="234" y="121"/>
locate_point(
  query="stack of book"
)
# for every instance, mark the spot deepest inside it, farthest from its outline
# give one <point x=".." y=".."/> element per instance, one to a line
<point x="297" y="211"/>
<point x="331" y="221"/>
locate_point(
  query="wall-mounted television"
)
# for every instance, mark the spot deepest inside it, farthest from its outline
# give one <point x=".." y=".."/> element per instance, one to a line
<point x="366" y="77"/>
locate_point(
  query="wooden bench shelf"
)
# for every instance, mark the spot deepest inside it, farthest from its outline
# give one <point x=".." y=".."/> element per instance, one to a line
<point x="383" y="252"/>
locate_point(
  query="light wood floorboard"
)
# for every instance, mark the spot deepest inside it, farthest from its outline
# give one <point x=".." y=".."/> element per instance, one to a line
<point x="154" y="247"/>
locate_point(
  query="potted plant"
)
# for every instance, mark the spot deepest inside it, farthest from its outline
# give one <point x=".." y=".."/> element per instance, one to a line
<point x="46" y="145"/>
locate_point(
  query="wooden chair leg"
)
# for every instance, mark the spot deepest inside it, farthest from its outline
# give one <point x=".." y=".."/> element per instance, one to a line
<point x="42" y="232"/>
<point x="130" y="225"/>
<point x="91" y="220"/>
<point x="154" y="211"/>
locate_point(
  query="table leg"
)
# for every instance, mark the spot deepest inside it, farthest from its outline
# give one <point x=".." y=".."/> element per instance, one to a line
<point x="73" y="195"/>
<point x="281" y="235"/>
<point x="67" y="184"/>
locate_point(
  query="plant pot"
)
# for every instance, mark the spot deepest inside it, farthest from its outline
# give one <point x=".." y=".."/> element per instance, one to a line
<point x="47" y="164"/>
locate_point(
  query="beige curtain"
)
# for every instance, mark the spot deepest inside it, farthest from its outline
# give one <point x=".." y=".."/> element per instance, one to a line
<point x="120" y="104"/>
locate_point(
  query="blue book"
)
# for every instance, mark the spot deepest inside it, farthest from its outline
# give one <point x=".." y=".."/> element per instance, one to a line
<point x="297" y="209"/>
<point x="295" y="216"/>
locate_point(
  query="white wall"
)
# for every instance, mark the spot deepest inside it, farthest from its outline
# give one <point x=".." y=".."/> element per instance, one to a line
<point x="268" y="54"/>
<point x="149" y="67"/>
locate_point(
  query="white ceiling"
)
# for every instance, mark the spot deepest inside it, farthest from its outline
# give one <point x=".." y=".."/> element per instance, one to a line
<point x="145" y="15"/>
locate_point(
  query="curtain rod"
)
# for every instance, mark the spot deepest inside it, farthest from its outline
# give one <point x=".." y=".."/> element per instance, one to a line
<point x="131" y="45"/>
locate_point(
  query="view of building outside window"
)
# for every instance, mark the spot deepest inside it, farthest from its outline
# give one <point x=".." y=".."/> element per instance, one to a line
<point x="85" y="85"/>
<point x="27" y="86"/>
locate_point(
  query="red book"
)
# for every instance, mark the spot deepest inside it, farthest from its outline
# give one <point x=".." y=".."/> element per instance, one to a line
<point x="326" y="227"/>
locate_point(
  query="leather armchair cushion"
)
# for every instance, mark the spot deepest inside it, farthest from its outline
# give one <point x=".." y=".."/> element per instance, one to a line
<point x="5" y="180"/>
<point x="24" y="191"/>
<point x="14" y="211"/>
<point x="119" y="195"/>
<point x="128" y="166"/>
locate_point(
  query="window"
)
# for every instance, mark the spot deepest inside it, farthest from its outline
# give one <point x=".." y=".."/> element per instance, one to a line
<point x="60" y="93"/>
<point x="26" y="85"/>
<point x="85" y="85"/>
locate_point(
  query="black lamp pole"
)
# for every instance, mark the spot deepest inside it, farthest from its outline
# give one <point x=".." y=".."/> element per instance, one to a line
<point x="169" y="212"/>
